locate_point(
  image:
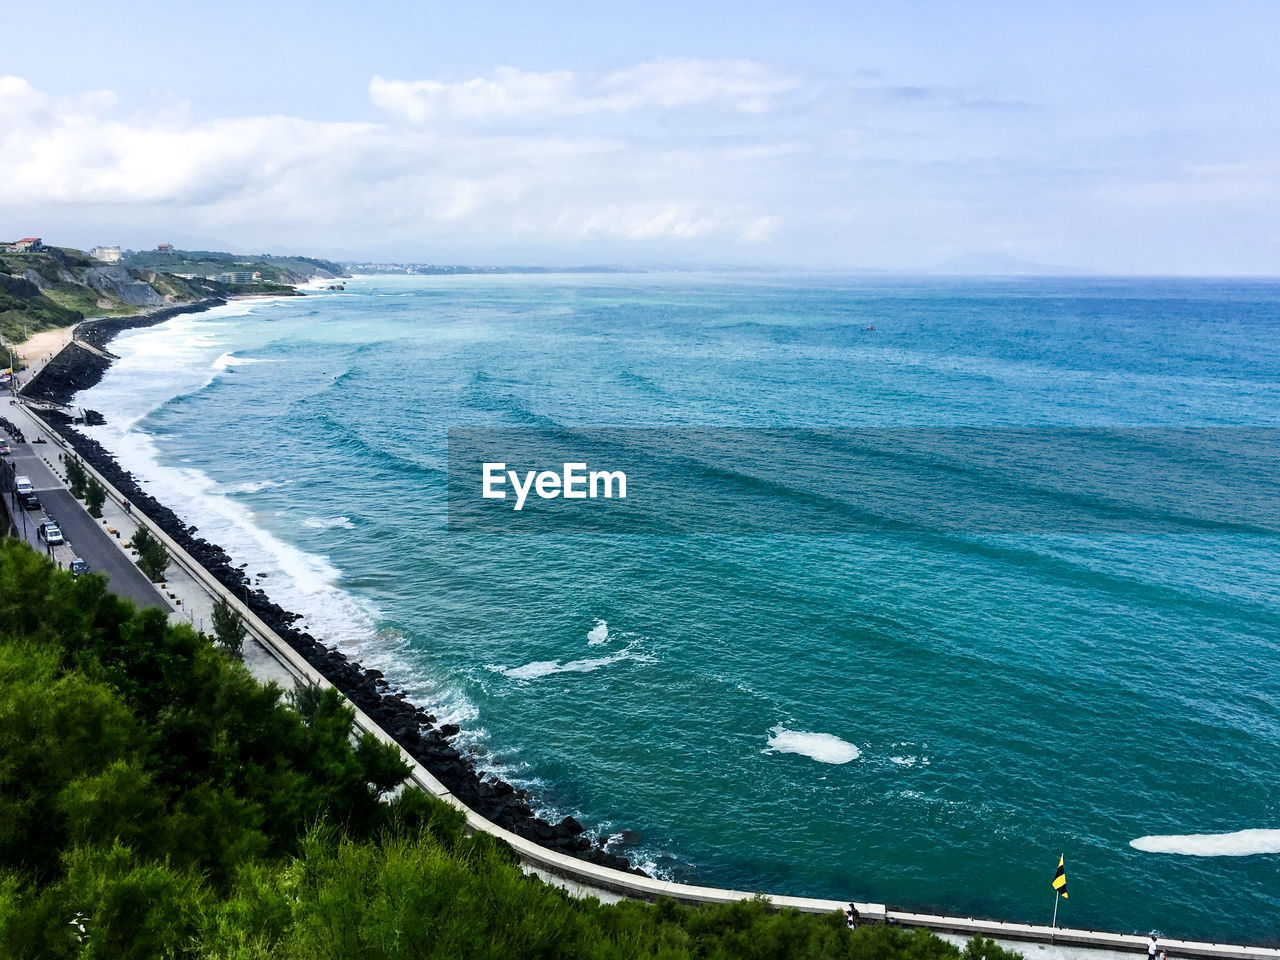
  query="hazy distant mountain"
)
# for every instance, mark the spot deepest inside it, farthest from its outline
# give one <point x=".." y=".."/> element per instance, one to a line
<point x="1002" y="265"/>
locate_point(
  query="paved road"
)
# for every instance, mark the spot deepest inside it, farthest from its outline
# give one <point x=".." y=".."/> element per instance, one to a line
<point x="87" y="539"/>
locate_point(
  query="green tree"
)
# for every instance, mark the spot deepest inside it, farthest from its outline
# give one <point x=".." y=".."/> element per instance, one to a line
<point x="228" y="629"/>
<point x="153" y="558"/>
<point x="135" y="909"/>
<point x="94" y="497"/>
<point x="54" y="731"/>
<point x="76" y="475"/>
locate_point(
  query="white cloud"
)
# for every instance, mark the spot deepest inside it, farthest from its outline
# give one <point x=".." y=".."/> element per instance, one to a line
<point x="378" y="184"/>
<point x="744" y="86"/>
<point x="20" y="102"/>
<point x="664" y="160"/>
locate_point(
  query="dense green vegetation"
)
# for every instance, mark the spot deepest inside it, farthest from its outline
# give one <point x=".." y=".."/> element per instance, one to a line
<point x="156" y="801"/>
<point x="95" y="495"/>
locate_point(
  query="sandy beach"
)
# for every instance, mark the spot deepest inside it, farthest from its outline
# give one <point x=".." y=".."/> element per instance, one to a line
<point x="43" y="345"/>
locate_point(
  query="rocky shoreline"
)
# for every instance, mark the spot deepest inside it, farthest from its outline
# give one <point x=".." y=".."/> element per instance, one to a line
<point x="411" y="726"/>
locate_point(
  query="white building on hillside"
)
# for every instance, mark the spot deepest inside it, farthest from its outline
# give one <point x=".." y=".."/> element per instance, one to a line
<point x="107" y="254"/>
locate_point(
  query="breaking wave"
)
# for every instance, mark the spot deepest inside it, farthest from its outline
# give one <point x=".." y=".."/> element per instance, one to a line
<point x="548" y="668"/>
<point x="329" y="523"/>
<point x="1241" y="843"/>
<point x="822" y="747"/>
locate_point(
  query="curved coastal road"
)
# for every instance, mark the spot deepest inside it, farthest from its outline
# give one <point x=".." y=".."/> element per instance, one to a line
<point x="86" y="537"/>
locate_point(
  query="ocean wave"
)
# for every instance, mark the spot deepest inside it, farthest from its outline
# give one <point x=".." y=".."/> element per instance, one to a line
<point x="300" y="581"/>
<point x="823" y="747"/>
<point x="229" y="359"/>
<point x="547" y="668"/>
<point x="598" y="634"/>
<point x="253" y="486"/>
<point x="329" y="523"/>
<point x="1241" y="843"/>
<point x="162" y="364"/>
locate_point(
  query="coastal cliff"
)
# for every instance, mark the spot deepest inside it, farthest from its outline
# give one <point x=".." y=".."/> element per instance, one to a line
<point x="57" y="286"/>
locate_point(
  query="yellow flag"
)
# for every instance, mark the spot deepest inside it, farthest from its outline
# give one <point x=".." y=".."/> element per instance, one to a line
<point x="1060" y="878"/>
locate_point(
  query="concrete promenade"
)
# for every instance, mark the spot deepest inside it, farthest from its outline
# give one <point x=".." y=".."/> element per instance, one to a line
<point x="190" y="592"/>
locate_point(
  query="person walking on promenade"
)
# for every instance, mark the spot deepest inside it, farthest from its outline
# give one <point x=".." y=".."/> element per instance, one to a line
<point x="851" y="917"/>
<point x="1152" y="948"/>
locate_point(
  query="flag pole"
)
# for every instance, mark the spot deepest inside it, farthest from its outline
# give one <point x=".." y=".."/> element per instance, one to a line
<point x="1059" y="891"/>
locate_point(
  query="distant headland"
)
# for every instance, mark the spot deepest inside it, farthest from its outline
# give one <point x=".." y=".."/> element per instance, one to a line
<point x="44" y="286"/>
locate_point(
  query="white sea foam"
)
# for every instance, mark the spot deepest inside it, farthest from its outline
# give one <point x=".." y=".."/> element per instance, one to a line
<point x="548" y="668"/>
<point x="317" y="283"/>
<point x="299" y="581"/>
<point x="229" y="359"/>
<point x="1242" y="843"/>
<point x="253" y="486"/>
<point x="910" y="761"/>
<point x="173" y="359"/>
<point x="823" y="747"/>
<point x="598" y="634"/>
<point x="329" y="523"/>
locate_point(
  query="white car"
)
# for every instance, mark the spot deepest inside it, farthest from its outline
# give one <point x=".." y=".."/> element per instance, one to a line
<point x="49" y="532"/>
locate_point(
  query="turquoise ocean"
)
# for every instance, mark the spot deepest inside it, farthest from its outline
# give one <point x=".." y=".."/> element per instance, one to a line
<point x="895" y="716"/>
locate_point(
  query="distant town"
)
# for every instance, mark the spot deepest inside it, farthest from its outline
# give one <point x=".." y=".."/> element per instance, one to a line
<point x="432" y="269"/>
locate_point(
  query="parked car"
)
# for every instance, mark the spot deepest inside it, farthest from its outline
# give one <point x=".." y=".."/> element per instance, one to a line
<point x="22" y="484"/>
<point x="4" y="448"/>
<point x="78" y="567"/>
<point x="29" y="501"/>
<point x="49" y="532"/>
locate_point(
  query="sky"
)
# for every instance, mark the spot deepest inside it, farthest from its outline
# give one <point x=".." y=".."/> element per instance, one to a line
<point x="1122" y="138"/>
